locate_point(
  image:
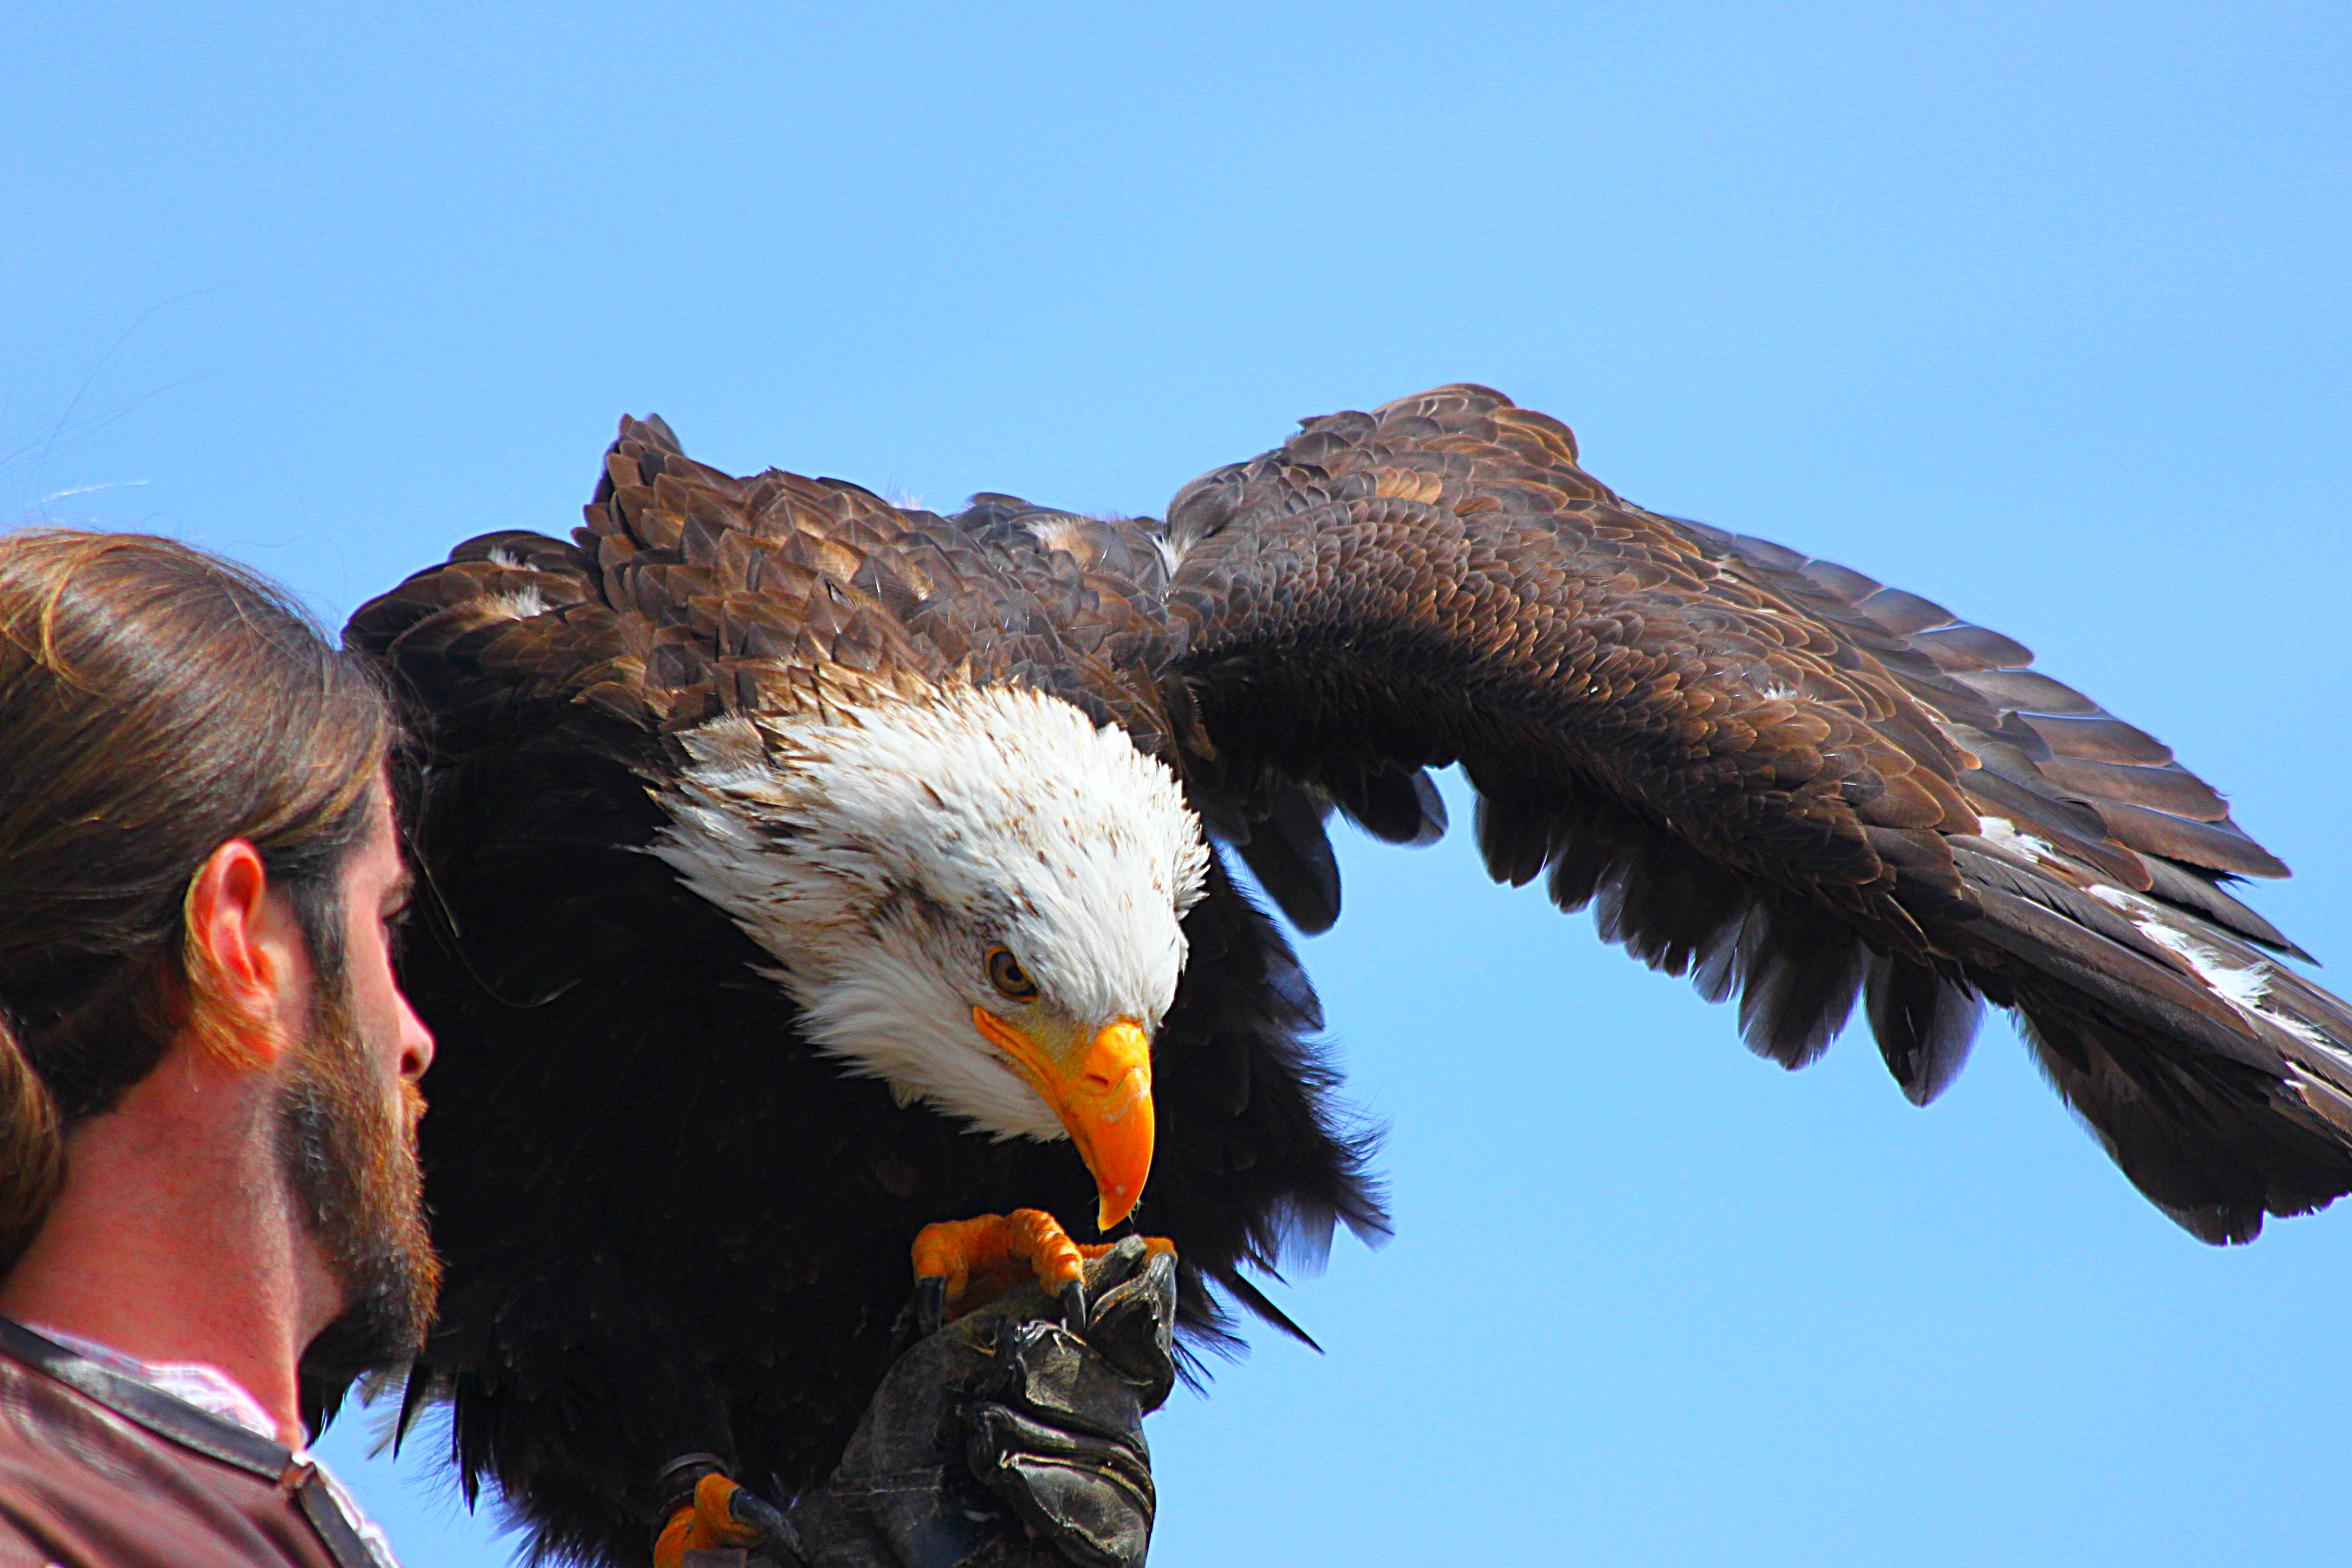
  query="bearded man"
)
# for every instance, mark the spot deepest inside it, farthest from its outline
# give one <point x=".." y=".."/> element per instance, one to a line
<point x="208" y="1074"/>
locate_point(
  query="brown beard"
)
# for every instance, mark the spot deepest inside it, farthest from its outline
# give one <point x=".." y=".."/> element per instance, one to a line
<point x="350" y="1159"/>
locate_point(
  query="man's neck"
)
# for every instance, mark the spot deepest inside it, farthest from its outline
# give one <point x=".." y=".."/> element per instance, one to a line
<point x="167" y="1259"/>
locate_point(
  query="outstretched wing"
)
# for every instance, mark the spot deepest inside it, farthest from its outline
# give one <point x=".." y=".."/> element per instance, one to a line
<point x="1772" y="773"/>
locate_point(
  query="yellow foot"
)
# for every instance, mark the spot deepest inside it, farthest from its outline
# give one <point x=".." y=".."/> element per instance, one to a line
<point x="708" y="1523"/>
<point x="963" y="1264"/>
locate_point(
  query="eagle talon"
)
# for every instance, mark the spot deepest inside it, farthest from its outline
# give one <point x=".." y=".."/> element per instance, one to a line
<point x="720" y="1516"/>
<point x="973" y="1261"/>
<point x="930" y="1306"/>
<point x="961" y="1264"/>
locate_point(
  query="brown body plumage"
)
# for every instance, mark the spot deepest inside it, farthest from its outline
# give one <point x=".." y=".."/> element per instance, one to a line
<point x="667" y="1231"/>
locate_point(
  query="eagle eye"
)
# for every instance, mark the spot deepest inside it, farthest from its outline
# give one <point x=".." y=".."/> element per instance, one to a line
<point x="1009" y="978"/>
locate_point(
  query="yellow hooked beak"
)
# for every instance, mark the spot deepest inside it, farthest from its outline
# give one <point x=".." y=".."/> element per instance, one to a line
<point x="1102" y="1095"/>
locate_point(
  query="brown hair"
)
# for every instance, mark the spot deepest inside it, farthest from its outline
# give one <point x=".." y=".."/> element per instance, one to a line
<point x="155" y="702"/>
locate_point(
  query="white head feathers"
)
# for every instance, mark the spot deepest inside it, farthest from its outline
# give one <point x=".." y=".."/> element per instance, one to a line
<point x="877" y="852"/>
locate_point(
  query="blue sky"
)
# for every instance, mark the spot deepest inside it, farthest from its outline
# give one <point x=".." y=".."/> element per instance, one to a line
<point x="2044" y="312"/>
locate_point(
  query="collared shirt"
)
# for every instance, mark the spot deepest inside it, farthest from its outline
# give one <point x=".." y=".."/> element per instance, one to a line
<point x="111" y="1462"/>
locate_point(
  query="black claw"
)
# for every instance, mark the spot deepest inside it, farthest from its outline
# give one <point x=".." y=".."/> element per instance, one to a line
<point x="930" y="1305"/>
<point x="779" y="1538"/>
<point x="1073" y="1299"/>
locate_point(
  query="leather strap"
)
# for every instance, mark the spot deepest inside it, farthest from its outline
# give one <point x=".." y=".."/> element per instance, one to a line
<point x="177" y="1421"/>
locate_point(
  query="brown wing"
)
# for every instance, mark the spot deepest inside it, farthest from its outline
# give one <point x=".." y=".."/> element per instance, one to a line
<point x="1769" y="772"/>
<point x="686" y="592"/>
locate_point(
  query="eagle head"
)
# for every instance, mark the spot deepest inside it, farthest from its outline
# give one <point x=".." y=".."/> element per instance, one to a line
<point x="975" y="894"/>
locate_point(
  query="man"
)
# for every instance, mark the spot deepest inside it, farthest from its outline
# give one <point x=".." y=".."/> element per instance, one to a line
<point x="209" y="1089"/>
<point x="208" y="1076"/>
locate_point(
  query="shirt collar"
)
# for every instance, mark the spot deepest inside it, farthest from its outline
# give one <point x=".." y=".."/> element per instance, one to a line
<point x="198" y="1383"/>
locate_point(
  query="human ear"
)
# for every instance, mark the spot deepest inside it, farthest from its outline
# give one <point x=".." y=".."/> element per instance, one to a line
<point x="245" y="975"/>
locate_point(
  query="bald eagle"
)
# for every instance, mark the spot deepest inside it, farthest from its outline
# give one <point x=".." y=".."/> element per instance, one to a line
<point x="805" y="869"/>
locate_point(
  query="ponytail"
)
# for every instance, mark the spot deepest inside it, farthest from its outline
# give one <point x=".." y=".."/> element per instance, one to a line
<point x="32" y="1149"/>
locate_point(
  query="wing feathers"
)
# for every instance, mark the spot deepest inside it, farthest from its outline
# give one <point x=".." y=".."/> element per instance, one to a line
<point x="1396" y="806"/>
<point x="1772" y="773"/>
<point x="2216" y="846"/>
<point x="2198" y="893"/>
<point x="2097" y="739"/>
<point x="1924" y="1021"/>
<point x="1799" y="974"/>
<point x="1290" y="855"/>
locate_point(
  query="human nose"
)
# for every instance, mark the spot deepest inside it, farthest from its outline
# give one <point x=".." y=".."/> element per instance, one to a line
<point x="416" y="1042"/>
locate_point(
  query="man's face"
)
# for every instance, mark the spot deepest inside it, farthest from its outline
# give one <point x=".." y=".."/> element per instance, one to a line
<point x="347" y="1116"/>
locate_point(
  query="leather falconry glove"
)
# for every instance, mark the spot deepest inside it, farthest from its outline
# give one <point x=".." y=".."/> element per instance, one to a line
<point x="1004" y="1440"/>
